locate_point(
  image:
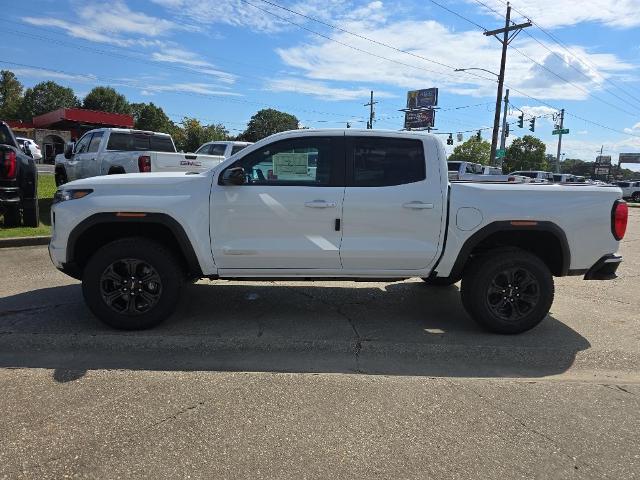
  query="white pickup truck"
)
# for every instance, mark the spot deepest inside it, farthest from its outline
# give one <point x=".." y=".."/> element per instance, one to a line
<point x="327" y="204"/>
<point x="108" y="151"/>
<point x="224" y="148"/>
<point x="476" y="172"/>
<point x="630" y="190"/>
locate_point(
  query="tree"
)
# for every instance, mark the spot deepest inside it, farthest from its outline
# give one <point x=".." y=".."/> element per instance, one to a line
<point x="146" y="116"/>
<point x="473" y="150"/>
<point x="10" y="95"/>
<point x="106" y="99"/>
<point x="267" y="122"/>
<point x="45" y="97"/>
<point x="526" y="153"/>
<point x="193" y="134"/>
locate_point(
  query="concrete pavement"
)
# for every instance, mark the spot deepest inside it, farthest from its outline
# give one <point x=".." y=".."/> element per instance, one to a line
<point x="293" y="380"/>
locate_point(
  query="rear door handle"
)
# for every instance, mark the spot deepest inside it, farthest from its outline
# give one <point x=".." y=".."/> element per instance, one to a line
<point x="418" y="205"/>
<point x="320" y="204"/>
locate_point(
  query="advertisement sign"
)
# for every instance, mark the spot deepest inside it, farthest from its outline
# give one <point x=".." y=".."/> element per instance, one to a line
<point x="601" y="170"/>
<point x="419" y="119"/>
<point x="603" y="159"/>
<point x="425" y="98"/>
<point x="629" y="158"/>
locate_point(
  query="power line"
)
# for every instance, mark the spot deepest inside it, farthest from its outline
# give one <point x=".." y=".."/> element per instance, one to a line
<point x="458" y="15"/>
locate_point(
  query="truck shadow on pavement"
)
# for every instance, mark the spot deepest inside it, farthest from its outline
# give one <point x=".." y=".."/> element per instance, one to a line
<point x="404" y="328"/>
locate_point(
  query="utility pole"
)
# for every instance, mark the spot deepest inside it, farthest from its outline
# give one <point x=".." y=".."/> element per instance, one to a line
<point x="371" y="112"/>
<point x="506" y="39"/>
<point x="503" y="137"/>
<point x="559" y="140"/>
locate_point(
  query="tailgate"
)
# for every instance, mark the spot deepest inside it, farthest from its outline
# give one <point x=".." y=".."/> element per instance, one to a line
<point x="183" y="162"/>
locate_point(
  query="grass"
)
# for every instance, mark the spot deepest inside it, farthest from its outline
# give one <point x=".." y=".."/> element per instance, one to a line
<point x="46" y="189"/>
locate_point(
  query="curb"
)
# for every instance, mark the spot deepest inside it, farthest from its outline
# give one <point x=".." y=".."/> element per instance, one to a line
<point x="24" y="241"/>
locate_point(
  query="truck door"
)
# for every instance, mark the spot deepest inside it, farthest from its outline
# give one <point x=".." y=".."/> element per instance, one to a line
<point x="90" y="167"/>
<point x="394" y="204"/>
<point x="73" y="166"/>
<point x="286" y="215"/>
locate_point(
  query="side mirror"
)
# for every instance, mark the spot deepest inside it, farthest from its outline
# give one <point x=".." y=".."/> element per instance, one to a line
<point x="68" y="150"/>
<point x="234" y="176"/>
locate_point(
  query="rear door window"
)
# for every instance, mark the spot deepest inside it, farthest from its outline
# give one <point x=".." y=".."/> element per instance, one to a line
<point x="161" y="143"/>
<point x="381" y="162"/>
<point x="217" y="149"/>
<point x="236" y="148"/>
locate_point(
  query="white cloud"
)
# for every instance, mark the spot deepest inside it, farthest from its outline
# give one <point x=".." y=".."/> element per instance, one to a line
<point x="172" y="54"/>
<point x="321" y="89"/>
<point x="193" y="87"/>
<point x="324" y="60"/>
<point x="558" y="13"/>
<point x="51" y="74"/>
<point x="113" y="23"/>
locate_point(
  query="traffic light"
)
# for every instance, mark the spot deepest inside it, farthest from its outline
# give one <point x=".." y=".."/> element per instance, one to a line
<point x="506" y="131"/>
<point x="521" y="120"/>
<point x="450" y="139"/>
<point x="479" y="135"/>
<point x="532" y="124"/>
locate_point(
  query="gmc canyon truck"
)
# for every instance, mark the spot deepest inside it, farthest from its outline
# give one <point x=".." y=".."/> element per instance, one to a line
<point x="18" y="182"/>
<point x="108" y="151"/>
<point x="332" y="204"/>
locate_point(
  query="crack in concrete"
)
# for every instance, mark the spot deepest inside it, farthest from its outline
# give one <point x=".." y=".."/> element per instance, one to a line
<point x="617" y="387"/>
<point x="176" y="415"/>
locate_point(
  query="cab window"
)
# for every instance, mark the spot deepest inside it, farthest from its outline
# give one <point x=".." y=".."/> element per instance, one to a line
<point x="83" y="144"/>
<point x="95" y="142"/>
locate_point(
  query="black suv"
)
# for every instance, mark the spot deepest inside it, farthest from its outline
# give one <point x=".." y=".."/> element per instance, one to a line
<point x="18" y="182"/>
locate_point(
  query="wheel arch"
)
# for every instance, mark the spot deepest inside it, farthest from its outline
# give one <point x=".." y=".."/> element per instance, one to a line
<point x="544" y="239"/>
<point x="102" y="228"/>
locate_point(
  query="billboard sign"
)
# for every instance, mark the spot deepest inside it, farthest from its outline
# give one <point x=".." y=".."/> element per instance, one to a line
<point x="419" y="119"/>
<point x="425" y="98"/>
<point x="629" y="158"/>
<point x="603" y="160"/>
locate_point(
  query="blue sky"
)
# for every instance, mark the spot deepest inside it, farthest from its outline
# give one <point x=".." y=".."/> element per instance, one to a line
<point x="222" y="60"/>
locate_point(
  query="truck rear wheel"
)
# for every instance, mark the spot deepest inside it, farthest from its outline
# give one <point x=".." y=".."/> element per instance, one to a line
<point x="30" y="213"/>
<point x="507" y="291"/>
<point x="132" y="284"/>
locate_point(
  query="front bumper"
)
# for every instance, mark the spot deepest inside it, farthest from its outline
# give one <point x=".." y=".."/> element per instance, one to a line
<point x="605" y="268"/>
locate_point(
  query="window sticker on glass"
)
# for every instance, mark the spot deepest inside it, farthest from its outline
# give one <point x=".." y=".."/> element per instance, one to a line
<point x="291" y="165"/>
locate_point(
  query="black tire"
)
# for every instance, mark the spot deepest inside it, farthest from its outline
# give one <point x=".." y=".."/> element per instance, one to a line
<point x="440" y="281"/>
<point x="30" y="213"/>
<point x="158" y="279"/>
<point x="636" y="197"/>
<point x="507" y="291"/>
<point x="11" y="217"/>
<point x="60" y="177"/>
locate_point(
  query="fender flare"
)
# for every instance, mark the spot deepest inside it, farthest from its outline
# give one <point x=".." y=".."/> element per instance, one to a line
<point x="511" y="226"/>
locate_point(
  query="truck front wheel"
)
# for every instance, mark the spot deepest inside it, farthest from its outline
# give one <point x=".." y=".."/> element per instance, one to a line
<point x="507" y="291"/>
<point x="132" y="284"/>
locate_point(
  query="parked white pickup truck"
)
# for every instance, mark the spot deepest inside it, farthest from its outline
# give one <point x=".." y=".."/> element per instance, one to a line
<point x="224" y="148"/>
<point x="108" y="151"/>
<point x="477" y="172"/>
<point x="630" y="190"/>
<point x="322" y="204"/>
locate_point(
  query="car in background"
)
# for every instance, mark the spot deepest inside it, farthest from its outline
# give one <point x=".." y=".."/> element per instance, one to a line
<point x="536" y="176"/>
<point x="224" y="148"/>
<point x="34" y="148"/>
<point x="630" y="189"/>
<point x="477" y="172"/>
<point x="109" y="151"/>
<point x="564" y="178"/>
<point x="18" y="182"/>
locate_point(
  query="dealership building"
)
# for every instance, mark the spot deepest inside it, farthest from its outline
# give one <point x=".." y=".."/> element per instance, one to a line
<point x="52" y="130"/>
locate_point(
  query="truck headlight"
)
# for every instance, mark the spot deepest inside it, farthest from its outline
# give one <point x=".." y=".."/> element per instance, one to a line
<point x="70" y="194"/>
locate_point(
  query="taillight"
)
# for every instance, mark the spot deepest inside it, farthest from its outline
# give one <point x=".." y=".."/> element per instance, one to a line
<point x="9" y="167"/>
<point x="144" y="163"/>
<point x="619" y="217"/>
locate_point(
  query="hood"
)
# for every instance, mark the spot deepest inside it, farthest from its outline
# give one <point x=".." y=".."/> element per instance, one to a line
<point x="141" y="180"/>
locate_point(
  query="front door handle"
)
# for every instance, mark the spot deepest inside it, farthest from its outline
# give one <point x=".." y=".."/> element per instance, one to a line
<point x="320" y="204"/>
<point x="418" y="205"/>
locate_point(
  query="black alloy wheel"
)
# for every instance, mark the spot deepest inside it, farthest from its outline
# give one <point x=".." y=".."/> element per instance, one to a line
<point x="130" y="286"/>
<point x="513" y="293"/>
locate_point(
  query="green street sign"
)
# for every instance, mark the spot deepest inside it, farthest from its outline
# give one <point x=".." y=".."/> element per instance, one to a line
<point x="501" y="152"/>
<point x="564" y="131"/>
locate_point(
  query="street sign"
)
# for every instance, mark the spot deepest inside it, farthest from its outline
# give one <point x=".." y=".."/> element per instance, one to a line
<point x="460" y="137"/>
<point x="419" y="119"/>
<point x="501" y="152"/>
<point x="425" y="98"/>
<point x="629" y="158"/>
<point x="564" y="131"/>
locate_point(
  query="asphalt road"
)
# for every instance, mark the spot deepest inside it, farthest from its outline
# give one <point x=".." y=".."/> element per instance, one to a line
<point x="332" y="379"/>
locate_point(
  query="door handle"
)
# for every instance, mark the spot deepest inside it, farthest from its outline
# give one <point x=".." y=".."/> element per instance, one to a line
<point x="418" y="205"/>
<point x="320" y="204"/>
